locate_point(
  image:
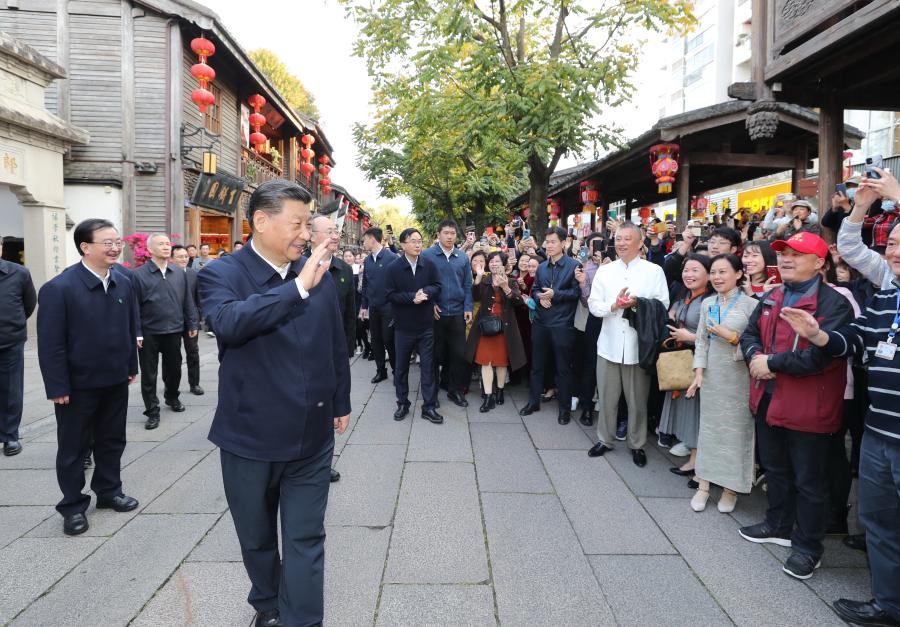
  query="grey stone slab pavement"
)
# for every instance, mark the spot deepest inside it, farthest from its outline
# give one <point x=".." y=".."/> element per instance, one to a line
<point x="219" y="545"/>
<point x="605" y="515"/>
<point x="376" y="425"/>
<point x="541" y="576"/>
<point x="506" y="459"/>
<point x="17" y="520"/>
<point x="449" y="442"/>
<point x="745" y="578"/>
<point x="83" y="597"/>
<point x="199" y="491"/>
<point x="434" y="606"/>
<point x="41" y="456"/>
<point x="28" y="487"/>
<point x="367" y="492"/>
<point x="547" y="433"/>
<point x="654" y="479"/>
<point x="438" y="535"/>
<point x="354" y="563"/>
<point x="655" y="590"/>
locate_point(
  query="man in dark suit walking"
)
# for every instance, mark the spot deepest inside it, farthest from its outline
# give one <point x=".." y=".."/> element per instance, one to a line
<point x="284" y="388"/>
<point x="87" y="351"/>
<point x="322" y="229"/>
<point x="375" y="306"/>
<point x="17" y="303"/>
<point x="191" y="340"/>
<point x="167" y="312"/>
<point x="412" y="284"/>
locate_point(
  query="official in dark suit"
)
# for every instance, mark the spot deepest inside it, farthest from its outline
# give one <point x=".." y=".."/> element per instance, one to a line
<point x="167" y="312"/>
<point x="17" y="302"/>
<point x="375" y="306"/>
<point x="412" y="284"/>
<point x="284" y="388"/>
<point x="322" y="229"/>
<point x="87" y="352"/>
<point x="191" y="340"/>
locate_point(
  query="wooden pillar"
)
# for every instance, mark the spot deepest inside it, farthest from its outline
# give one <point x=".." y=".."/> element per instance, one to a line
<point x="175" y="201"/>
<point x="831" y="148"/>
<point x="628" y="206"/>
<point x="683" y="194"/>
<point x="129" y="192"/>
<point x="799" y="171"/>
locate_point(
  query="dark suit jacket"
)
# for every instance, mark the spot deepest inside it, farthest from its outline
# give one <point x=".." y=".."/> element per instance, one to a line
<point x="17" y="302"/>
<point x="373" y="295"/>
<point x="194" y="290"/>
<point x="283" y="369"/>
<point x="342" y="274"/>
<point x="401" y="286"/>
<point x="87" y="338"/>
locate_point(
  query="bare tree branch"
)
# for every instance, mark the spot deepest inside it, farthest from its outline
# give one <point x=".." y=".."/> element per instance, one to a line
<point x="520" y="41"/>
<point x="556" y="44"/>
<point x="557" y="155"/>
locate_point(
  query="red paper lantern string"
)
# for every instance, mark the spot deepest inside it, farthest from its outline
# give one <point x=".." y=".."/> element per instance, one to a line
<point x="257" y="119"/>
<point x="307" y="154"/>
<point x="201" y="96"/>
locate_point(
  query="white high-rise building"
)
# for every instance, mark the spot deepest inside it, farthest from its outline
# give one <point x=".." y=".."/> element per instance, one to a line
<point x="700" y="66"/>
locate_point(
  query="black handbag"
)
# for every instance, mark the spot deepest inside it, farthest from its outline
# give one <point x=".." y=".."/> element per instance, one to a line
<point x="489" y="325"/>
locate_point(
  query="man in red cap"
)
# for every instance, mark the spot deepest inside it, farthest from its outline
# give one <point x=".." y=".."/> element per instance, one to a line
<point x="796" y="395"/>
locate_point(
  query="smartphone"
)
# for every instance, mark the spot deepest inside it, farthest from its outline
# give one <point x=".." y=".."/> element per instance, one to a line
<point x="613" y="214"/>
<point x="597" y="245"/>
<point x="772" y="271"/>
<point x="388" y="228"/>
<point x="679" y="237"/>
<point x="526" y="233"/>
<point x="697" y="231"/>
<point x="484" y="241"/>
<point x="841" y="189"/>
<point x="583" y="253"/>
<point x="876" y="161"/>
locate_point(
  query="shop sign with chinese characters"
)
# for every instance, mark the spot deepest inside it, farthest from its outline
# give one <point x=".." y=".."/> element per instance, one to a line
<point x="221" y="192"/>
<point x="57" y="233"/>
<point x="12" y="166"/>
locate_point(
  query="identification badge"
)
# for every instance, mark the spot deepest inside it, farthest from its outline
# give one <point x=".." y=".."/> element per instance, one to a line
<point x="885" y="350"/>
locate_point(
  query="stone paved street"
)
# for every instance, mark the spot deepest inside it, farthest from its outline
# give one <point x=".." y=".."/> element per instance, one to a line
<point x="487" y="519"/>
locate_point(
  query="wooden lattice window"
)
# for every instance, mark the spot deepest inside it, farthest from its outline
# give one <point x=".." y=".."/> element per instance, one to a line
<point x="211" y="118"/>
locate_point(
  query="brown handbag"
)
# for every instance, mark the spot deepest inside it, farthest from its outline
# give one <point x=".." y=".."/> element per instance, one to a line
<point x="674" y="367"/>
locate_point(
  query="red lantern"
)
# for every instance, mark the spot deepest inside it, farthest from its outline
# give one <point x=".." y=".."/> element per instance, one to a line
<point x="201" y="96"/>
<point x="325" y="181"/>
<point x="324" y="160"/>
<point x="307" y="154"/>
<point x="326" y="190"/>
<point x="257" y="119"/>
<point x="589" y="193"/>
<point x="664" y="165"/>
<point x="308" y="140"/>
<point x="324" y="170"/>
<point x="307" y="169"/>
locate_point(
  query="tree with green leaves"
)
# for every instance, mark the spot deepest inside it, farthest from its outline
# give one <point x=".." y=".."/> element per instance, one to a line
<point x="290" y="87"/>
<point x="533" y="76"/>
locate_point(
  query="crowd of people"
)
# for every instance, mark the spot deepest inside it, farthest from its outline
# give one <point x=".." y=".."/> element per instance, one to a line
<point x="750" y="348"/>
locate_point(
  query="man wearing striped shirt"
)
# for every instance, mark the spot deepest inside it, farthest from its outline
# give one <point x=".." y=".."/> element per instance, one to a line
<point x="877" y="334"/>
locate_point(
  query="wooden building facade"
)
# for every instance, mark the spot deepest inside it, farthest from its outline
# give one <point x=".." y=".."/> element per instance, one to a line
<point x="129" y="83"/>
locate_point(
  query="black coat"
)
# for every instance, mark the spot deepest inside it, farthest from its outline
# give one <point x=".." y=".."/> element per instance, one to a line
<point x="17" y="302"/>
<point x="344" y="281"/>
<point x="400" y="288"/>
<point x="649" y="320"/>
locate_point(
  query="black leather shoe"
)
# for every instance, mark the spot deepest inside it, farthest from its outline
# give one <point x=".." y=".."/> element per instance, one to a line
<point x="379" y="377"/>
<point x="75" y="524"/>
<point x="856" y="542"/>
<point x="564" y="417"/>
<point x="529" y="409"/>
<point x="675" y="470"/>
<point x="587" y="418"/>
<point x="487" y="403"/>
<point x="457" y="399"/>
<point x="547" y="399"/>
<point x="120" y="503"/>
<point x="498" y="397"/>
<point x="402" y="411"/>
<point x="432" y="416"/>
<point x="152" y="423"/>
<point x="335" y="476"/>
<point x="269" y="618"/>
<point x="598" y="450"/>
<point x="692" y="484"/>
<point x="864" y="613"/>
<point x="176" y="406"/>
<point x="639" y="457"/>
<point x="13" y="447"/>
<point x="196" y="390"/>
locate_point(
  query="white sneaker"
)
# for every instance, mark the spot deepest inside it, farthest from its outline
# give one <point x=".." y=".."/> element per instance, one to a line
<point x="680" y="450"/>
<point x="698" y="503"/>
<point x="727" y="502"/>
<point x="210" y="334"/>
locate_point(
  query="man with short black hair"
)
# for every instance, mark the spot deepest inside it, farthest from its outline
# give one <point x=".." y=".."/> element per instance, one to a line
<point x="17" y="302"/>
<point x="190" y="340"/>
<point x="724" y="241"/>
<point x="192" y="255"/>
<point x="375" y="306"/>
<point x="452" y="311"/>
<point x="412" y="284"/>
<point x="556" y="291"/>
<point x="284" y="389"/>
<point x="87" y="351"/>
<point x="167" y="312"/>
<point x="203" y="258"/>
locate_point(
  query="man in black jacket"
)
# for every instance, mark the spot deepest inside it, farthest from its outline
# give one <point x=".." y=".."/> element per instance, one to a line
<point x="375" y="307"/>
<point x="167" y="311"/>
<point x="412" y="284"/>
<point x="191" y="340"/>
<point x="17" y="303"/>
<point x="322" y="229"/>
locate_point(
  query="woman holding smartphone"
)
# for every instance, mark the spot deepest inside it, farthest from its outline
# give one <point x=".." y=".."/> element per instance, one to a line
<point x="497" y="296"/>
<point x="725" y="440"/>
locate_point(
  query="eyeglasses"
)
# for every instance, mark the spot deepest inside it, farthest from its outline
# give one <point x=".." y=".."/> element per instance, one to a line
<point x="108" y="243"/>
<point x="413" y="241"/>
<point x="328" y="232"/>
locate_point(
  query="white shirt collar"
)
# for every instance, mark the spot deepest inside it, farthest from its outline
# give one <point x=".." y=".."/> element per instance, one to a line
<point x="281" y="270"/>
<point x="447" y="253"/>
<point x="103" y="279"/>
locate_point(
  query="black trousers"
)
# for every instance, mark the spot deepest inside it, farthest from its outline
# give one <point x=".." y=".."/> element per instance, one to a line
<point x="382" y="339"/>
<point x="192" y="357"/>
<point x="169" y="346"/>
<point x="795" y="463"/>
<point x="91" y="418"/>
<point x="585" y="366"/>
<point x="12" y="382"/>
<point x="450" y="352"/>
<point x="294" y="583"/>
<point x="556" y="344"/>
<point x="423" y="343"/>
